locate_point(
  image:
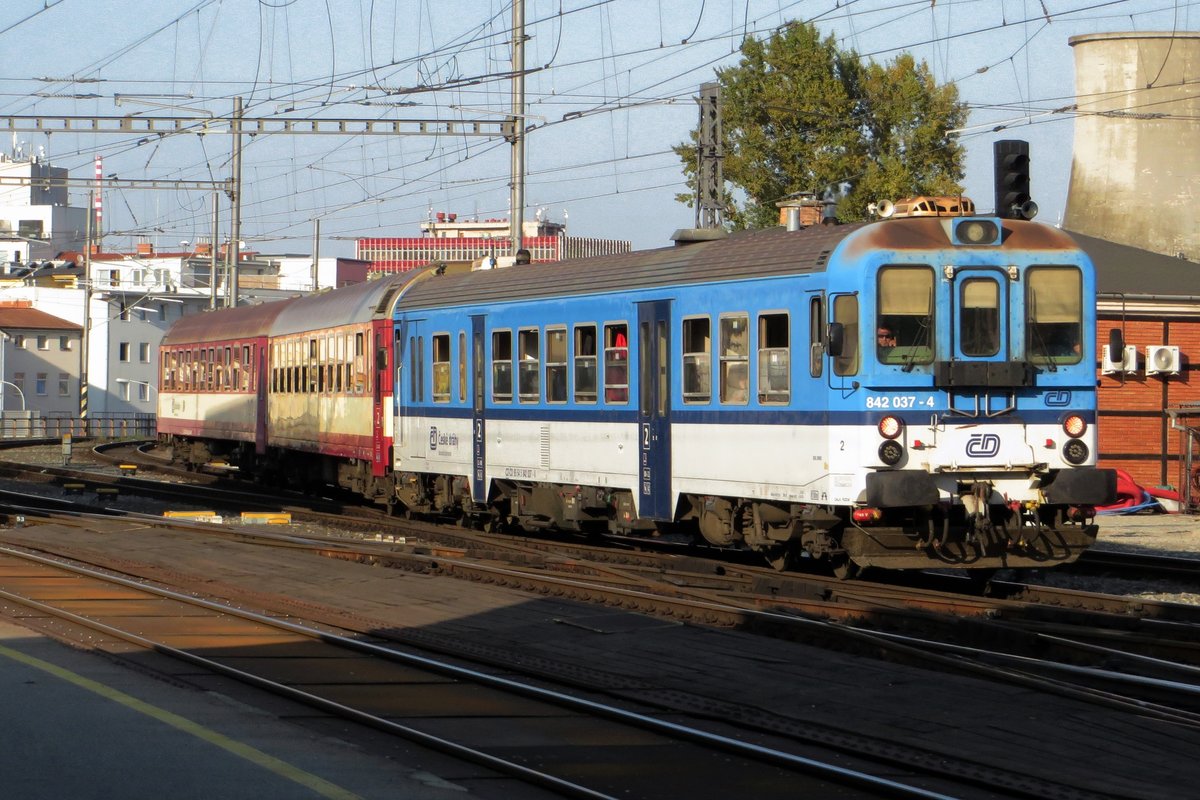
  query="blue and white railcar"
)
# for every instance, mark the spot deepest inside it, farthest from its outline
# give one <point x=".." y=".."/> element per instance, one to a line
<point x="737" y="388"/>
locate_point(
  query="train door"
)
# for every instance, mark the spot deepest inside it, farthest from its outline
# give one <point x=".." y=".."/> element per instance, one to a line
<point x="381" y="393"/>
<point x="408" y="389"/>
<point x="478" y="423"/>
<point x="654" y="410"/>
<point x="979" y="329"/>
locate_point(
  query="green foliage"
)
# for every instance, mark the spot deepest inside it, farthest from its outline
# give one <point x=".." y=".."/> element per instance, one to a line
<point x="799" y="114"/>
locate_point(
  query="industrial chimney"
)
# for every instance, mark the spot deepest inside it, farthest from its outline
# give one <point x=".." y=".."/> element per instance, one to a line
<point x="1135" y="174"/>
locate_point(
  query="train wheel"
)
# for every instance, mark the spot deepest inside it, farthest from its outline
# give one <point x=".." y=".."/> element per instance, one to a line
<point x="843" y="567"/>
<point x="780" y="558"/>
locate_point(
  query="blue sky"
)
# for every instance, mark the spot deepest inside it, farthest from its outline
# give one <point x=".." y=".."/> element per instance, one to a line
<point x="610" y="93"/>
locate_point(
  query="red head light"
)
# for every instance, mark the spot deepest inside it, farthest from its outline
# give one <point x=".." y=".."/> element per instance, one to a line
<point x="890" y="427"/>
<point x="1074" y="426"/>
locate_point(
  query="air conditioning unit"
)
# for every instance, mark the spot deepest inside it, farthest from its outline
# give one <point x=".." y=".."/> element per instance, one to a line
<point x="1126" y="362"/>
<point x="1162" y="359"/>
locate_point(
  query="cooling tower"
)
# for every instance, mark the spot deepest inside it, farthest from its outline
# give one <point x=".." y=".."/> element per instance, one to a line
<point x="1135" y="174"/>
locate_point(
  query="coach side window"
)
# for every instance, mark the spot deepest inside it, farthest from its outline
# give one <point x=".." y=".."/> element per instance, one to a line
<point x="845" y="311"/>
<point x="816" y="336"/>
<point x="528" y="367"/>
<point x="697" y="360"/>
<point x="441" y="368"/>
<point x="462" y="366"/>
<point x="585" y="363"/>
<point x="735" y="357"/>
<point x="556" y="365"/>
<point x="501" y="366"/>
<point x="616" y="363"/>
<point x="774" y="358"/>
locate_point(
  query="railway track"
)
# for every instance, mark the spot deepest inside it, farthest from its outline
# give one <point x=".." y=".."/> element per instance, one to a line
<point x="503" y="723"/>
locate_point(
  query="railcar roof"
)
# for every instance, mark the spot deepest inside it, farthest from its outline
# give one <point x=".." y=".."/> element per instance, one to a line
<point x="243" y="322"/>
<point x="358" y="303"/>
<point x="753" y="254"/>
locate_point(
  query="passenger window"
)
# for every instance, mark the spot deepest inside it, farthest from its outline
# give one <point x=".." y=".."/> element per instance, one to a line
<point x="616" y="363"/>
<point x="735" y="359"/>
<point x="528" y="367"/>
<point x="774" y="359"/>
<point x="697" y="360"/>
<point x="904" y="328"/>
<point x="502" y="366"/>
<point x="441" y="368"/>
<point x="845" y="311"/>
<point x="556" y="365"/>
<point x="462" y="366"/>
<point x="1054" y="308"/>
<point x="585" y="363"/>
<point x="816" y="336"/>
<point x="979" y="317"/>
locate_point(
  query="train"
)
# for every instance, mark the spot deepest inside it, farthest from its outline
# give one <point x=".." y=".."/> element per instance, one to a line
<point x="904" y="393"/>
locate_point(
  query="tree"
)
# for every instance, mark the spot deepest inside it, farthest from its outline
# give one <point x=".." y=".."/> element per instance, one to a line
<point x="801" y="115"/>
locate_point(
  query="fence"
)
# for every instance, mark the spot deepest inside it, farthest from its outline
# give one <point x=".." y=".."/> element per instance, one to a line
<point x="102" y="425"/>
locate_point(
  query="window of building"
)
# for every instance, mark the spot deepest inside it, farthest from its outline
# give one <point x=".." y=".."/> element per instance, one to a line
<point x="585" y="363"/>
<point x="735" y="358"/>
<point x="528" y="366"/>
<point x="43" y="342"/>
<point x="124" y="389"/>
<point x="774" y="358"/>
<point x="441" y="368"/>
<point x="19" y="380"/>
<point x="19" y="341"/>
<point x="502" y="366"/>
<point x="123" y="351"/>
<point x="556" y="365"/>
<point x="616" y="362"/>
<point x="143" y="392"/>
<point x="41" y="383"/>
<point x="64" y="343"/>
<point x="64" y="384"/>
<point x="144" y="352"/>
<point x="697" y="360"/>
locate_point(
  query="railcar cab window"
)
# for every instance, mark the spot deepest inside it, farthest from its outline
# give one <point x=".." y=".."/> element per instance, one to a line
<point x="979" y="317"/>
<point x="735" y="358"/>
<point x="905" y="311"/>
<point x="528" y="366"/>
<point x="845" y="311"/>
<point x="774" y="358"/>
<point x="441" y="368"/>
<point x="697" y="360"/>
<point x="556" y="365"/>
<point x="585" y="363"/>
<point x="816" y="336"/>
<point x="501" y="366"/>
<point x="1054" y="310"/>
<point x="616" y="362"/>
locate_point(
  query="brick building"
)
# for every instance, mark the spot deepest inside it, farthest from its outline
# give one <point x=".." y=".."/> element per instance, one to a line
<point x="460" y="243"/>
<point x="1154" y="300"/>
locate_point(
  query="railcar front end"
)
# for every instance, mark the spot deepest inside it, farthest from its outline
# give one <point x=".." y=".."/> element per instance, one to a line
<point x="963" y="378"/>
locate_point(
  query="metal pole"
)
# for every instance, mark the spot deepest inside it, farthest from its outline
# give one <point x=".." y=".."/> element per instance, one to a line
<point x="316" y="251"/>
<point x="517" y="196"/>
<point x="216" y="246"/>
<point x="87" y="316"/>
<point x="236" y="232"/>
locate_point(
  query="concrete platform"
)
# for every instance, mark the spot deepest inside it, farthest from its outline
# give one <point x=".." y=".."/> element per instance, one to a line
<point x="78" y="725"/>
